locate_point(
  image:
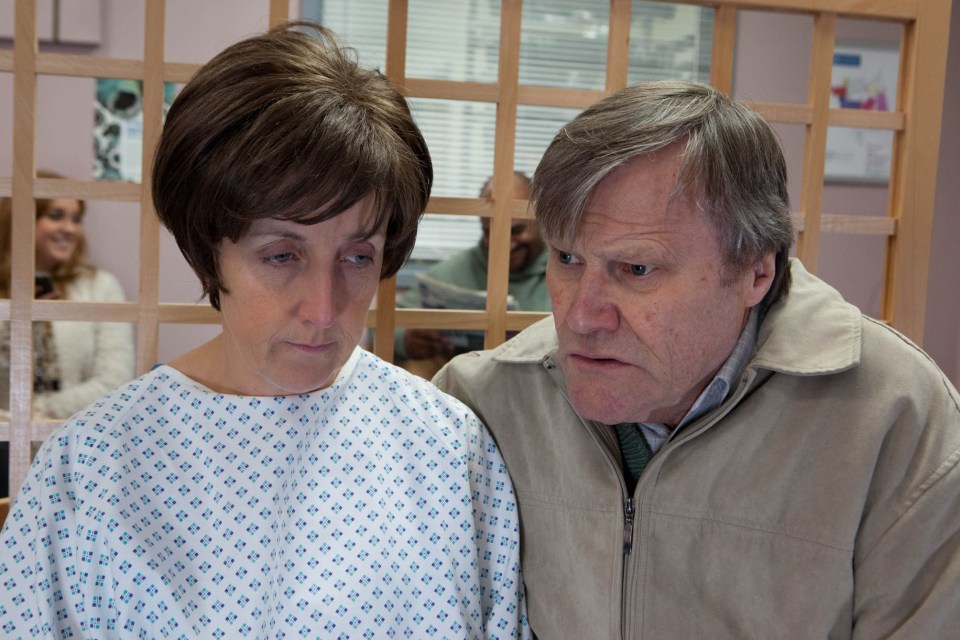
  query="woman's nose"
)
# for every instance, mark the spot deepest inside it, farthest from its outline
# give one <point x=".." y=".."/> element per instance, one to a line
<point x="319" y="302"/>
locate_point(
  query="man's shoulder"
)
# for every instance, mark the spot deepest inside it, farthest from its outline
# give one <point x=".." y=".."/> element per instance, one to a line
<point x="529" y="348"/>
<point x="814" y="333"/>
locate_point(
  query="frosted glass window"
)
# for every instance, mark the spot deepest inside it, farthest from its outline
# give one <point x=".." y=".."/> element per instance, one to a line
<point x="563" y="43"/>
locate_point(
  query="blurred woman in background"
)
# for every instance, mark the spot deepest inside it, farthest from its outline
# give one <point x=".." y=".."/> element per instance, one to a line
<point x="74" y="362"/>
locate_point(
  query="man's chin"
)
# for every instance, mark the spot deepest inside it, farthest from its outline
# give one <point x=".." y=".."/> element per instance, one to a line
<point x="598" y="408"/>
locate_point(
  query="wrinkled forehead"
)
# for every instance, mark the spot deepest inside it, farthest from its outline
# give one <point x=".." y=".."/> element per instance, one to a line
<point x="652" y="185"/>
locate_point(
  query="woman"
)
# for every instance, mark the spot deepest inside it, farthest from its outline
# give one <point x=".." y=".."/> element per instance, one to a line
<point x="277" y="481"/>
<point x="75" y="362"/>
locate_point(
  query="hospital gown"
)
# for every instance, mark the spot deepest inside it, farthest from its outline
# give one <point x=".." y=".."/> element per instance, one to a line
<point x="376" y="508"/>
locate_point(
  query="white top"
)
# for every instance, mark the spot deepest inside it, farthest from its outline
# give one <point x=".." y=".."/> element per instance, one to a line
<point x="93" y="357"/>
<point x="378" y="507"/>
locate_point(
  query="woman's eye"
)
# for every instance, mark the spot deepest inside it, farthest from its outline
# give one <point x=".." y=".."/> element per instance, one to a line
<point x="359" y="259"/>
<point x="280" y="258"/>
<point x="639" y="269"/>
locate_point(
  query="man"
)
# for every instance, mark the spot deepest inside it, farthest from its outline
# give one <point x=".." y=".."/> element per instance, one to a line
<point x="706" y="440"/>
<point x="468" y="269"/>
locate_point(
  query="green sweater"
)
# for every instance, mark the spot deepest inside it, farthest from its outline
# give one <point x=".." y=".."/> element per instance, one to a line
<point x="468" y="269"/>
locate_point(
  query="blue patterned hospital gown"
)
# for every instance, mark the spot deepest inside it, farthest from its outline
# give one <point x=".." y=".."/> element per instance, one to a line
<point x="376" y="508"/>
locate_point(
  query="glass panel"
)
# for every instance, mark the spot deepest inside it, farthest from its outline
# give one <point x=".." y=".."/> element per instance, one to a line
<point x="77" y="248"/>
<point x="361" y="25"/>
<point x="75" y="363"/>
<point x="118" y="127"/>
<point x="453" y="41"/>
<point x="178" y="282"/>
<point x="176" y="339"/>
<point x="460" y="136"/>
<point x="858" y="155"/>
<point x="563" y="43"/>
<point x="791" y="138"/>
<point x="536" y="127"/>
<point x="65" y="115"/>
<point x="865" y="74"/>
<point x="112" y="233"/>
<point x="670" y="41"/>
<point x="122" y="30"/>
<point x="196" y="31"/>
<point x="6" y="122"/>
<point x="854" y="265"/>
<point x="772" y="56"/>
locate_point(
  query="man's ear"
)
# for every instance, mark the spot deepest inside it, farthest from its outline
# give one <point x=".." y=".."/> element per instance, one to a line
<point x="759" y="279"/>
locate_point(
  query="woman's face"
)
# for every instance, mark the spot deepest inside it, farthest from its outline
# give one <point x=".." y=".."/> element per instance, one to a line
<point x="58" y="233"/>
<point x="295" y="301"/>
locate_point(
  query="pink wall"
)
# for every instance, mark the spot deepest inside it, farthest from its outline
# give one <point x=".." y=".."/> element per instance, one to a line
<point x="772" y="61"/>
<point x="942" y="334"/>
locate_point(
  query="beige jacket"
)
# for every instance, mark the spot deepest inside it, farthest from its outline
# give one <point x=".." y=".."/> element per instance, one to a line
<point x="821" y="500"/>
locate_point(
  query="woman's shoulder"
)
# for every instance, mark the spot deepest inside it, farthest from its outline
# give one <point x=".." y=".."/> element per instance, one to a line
<point x="108" y="418"/>
<point x="411" y="393"/>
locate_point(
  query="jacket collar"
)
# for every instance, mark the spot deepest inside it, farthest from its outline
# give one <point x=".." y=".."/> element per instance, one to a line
<point x="811" y="331"/>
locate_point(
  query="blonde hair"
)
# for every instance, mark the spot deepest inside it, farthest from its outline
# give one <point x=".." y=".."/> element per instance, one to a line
<point x="66" y="272"/>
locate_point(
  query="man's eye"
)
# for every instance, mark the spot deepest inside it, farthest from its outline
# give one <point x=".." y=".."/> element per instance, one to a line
<point x="639" y="269"/>
<point x="565" y="257"/>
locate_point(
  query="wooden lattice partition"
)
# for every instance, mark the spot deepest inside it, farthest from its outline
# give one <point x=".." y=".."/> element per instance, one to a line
<point x="907" y="228"/>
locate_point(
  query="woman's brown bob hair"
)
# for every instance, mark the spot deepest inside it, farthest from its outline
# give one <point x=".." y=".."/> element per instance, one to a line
<point x="287" y="125"/>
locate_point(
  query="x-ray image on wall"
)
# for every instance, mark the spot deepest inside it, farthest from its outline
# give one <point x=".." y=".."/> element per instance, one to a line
<point x="118" y="128"/>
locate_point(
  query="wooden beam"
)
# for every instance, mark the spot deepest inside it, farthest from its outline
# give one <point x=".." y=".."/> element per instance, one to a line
<point x="815" y="142"/>
<point x="618" y="46"/>
<point x="913" y="177"/>
<point x="505" y="132"/>
<point x="723" y="47"/>
<point x="396" y="71"/>
<point x="23" y="225"/>
<point x="148" y="324"/>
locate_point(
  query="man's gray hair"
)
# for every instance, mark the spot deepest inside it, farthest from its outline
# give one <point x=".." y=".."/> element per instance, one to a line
<point x="731" y="164"/>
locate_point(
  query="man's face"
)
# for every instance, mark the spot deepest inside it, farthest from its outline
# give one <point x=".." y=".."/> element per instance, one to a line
<point x="643" y="314"/>
<point x="525" y="242"/>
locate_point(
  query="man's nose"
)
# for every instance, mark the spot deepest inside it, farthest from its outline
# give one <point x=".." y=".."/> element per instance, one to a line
<point x="592" y="307"/>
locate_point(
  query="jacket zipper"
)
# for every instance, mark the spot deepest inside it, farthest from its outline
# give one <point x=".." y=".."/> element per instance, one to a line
<point x="629" y="510"/>
<point x="629" y="505"/>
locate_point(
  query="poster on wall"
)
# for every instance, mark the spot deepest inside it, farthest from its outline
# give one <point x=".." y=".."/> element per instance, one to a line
<point x="864" y="77"/>
<point x="118" y="128"/>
